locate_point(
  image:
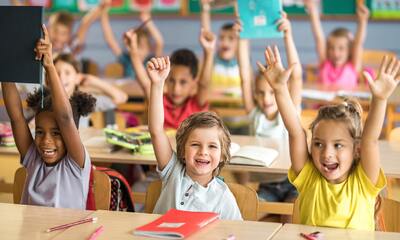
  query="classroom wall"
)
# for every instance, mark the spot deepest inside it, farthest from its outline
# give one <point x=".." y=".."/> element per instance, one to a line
<point x="184" y="33"/>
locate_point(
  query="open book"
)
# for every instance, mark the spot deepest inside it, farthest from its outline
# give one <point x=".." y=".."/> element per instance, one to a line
<point x="176" y="224"/>
<point x="252" y="155"/>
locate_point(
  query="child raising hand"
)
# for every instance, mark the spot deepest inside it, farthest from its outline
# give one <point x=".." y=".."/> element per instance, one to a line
<point x="189" y="175"/>
<point x="57" y="163"/>
<point x="340" y="178"/>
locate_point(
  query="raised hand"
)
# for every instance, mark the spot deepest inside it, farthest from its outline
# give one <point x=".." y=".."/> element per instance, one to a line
<point x="130" y="41"/>
<point x="310" y="5"/>
<point x="145" y="14"/>
<point x="284" y="24"/>
<point x="386" y="81"/>
<point x="276" y="75"/>
<point x="362" y="12"/>
<point x="43" y="49"/>
<point x="207" y="40"/>
<point x="158" y="69"/>
<point x="105" y="4"/>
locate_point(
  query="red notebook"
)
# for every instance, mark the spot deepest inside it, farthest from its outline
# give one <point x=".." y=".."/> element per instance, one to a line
<point x="176" y="224"/>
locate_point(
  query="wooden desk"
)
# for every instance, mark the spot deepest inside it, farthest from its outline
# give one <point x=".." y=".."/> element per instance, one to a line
<point x="120" y="225"/>
<point x="292" y="232"/>
<point x="30" y="222"/>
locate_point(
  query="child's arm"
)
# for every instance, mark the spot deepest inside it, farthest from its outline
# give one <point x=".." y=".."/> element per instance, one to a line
<point x="205" y="15"/>
<point x="108" y="33"/>
<point x="20" y="128"/>
<point x="381" y="89"/>
<point x="88" y="20"/>
<point x="362" y="16"/>
<point x="61" y="105"/>
<point x="154" y="32"/>
<point x="207" y="40"/>
<point x="158" y="70"/>
<point x="317" y="29"/>
<point x="246" y="73"/>
<point x="130" y="39"/>
<point x="277" y="77"/>
<point x="118" y="96"/>
<point x="296" y="79"/>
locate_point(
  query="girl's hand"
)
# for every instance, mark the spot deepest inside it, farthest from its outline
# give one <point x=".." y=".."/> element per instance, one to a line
<point x="158" y="69"/>
<point x="276" y="75"/>
<point x="43" y="49"/>
<point x="130" y="41"/>
<point x="385" y="82"/>
<point x="207" y="40"/>
<point x="284" y="24"/>
<point x="362" y="12"/>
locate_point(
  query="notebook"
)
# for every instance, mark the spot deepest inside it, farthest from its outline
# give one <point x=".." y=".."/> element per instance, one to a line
<point x="20" y="29"/>
<point x="252" y="155"/>
<point x="176" y="224"/>
<point x="259" y="18"/>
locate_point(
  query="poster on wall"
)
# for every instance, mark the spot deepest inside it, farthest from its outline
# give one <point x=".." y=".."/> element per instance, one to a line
<point x="167" y="4"/>
<point x="385" y="9"/>
<point x="139" y="5"/>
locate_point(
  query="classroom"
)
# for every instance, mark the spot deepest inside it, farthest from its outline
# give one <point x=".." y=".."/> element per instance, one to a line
<point x="200" y="119"/>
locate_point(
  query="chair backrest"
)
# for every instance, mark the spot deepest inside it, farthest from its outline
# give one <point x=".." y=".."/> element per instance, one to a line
<point x="394" y="134"/>
<point x="296" y="212"/>
<point x="246" y="199"/>
<point x="102" y="188"/>
<point x="114" y="70"/>
<point x="373" y="58"/>
<point x="19" y="184"/>
<point x="389" y="216"/>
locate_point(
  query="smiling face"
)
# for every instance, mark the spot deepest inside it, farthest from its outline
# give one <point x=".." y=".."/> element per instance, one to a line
<point x="60" y="35"/>
<point x="338" y="50"/>
<point x="227" y="44"/>
<point x="265" y="98"/>
<point x="333" y="150"/>
<point x="48" y="139"/>
<point x="202" y="153"/>
<point x="180" y="84"/>
<point x="68" y="76"/>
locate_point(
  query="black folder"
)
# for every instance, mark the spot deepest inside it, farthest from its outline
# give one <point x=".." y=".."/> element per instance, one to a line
<point x="20" y="29"/>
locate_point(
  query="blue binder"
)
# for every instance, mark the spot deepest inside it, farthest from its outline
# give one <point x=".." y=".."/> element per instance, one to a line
<point x="259" y="18"/>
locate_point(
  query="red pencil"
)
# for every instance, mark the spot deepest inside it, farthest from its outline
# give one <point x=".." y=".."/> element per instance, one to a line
<point x="64" y="226"/>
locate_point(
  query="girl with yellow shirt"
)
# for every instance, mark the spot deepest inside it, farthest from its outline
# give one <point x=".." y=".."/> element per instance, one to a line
<point x="340" y="178"/>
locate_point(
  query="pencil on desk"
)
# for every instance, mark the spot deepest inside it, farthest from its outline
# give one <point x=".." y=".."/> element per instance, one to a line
<point x="96" y="233"/>
<point x="64" y="226"/>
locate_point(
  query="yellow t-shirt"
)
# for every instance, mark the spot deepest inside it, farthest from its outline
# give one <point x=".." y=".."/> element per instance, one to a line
<point x="350" y="204"/>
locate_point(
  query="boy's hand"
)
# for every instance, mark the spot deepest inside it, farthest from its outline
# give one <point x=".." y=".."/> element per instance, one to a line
<point x="310" y="5"/>
<point x="284" y="24"/>
<point x="275" y="74"/>
<point x="158" y="69"/>
<point x="207" y="40"/>
<point x="130" y="41"/>
<point x="386" y="81"/>
<point x="362" y="12"/>
<point x="145" y="14"/>
<point x="43" y="49"/>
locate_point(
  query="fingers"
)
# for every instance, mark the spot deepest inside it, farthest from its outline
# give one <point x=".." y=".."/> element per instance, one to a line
<point x="277" y="56"/>
<point x="261" y="67"/>
<point x="384" y="63"/>
<point x="159" y="63"/>
<point x="167" y="62"/>
<point x="271" y="55"/>
<point x="391" y="66"/>
<point x="150" y="65"/>
<point x="267" y="57"/>
<point x="396" y="68"/>
<point x="369" y="78"/>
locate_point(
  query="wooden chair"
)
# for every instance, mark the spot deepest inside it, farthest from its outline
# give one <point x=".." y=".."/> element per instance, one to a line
<point x="389" y="220"/>
<point x="246" y="199"/>
<point x="102" y="188"/>
<point x="393" y="183"/>
<point x="372" y="57"/>
<point x="296" y="212"/>
<point x="114" y="70"/>
<point x="394" y="134"/>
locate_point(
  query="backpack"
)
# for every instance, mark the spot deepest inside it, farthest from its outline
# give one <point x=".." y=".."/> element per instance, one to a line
<point x="121" y="194"/>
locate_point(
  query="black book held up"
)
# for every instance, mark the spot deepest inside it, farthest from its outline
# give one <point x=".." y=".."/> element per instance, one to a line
<point x="20" y="29"/>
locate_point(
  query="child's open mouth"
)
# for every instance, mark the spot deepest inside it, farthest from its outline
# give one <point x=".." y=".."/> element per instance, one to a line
<point x="201" y="162"/>
<point x="329" y="167"/>
<point x="49" y="152"/>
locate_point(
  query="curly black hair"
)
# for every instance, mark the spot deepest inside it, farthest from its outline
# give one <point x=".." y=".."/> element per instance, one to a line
<point x="186" y="58"/>
<point x="81" y="103"/>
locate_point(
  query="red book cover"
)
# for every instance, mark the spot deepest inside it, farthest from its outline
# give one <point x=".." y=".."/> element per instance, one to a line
<point x="176" y="224"/>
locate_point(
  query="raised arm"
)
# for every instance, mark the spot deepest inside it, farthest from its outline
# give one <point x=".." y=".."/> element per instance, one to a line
<point x="207" y="40"/>
<point x="246" y="74"/>
<point x="61" y="105"/>
<point x="358" y="47"/>
<point x="381" y="89"/>
<point x="88" y="20"/>
<point x="158" y="70"/>
<point x="130" y="39"/>
<point x="317" y="29"/>
<point x="20" y="128"/>
<point x="296" y="79"/>
<point x="118" y="96"/>
<point x="277" y="77"/>
<point x="205" y="15"/>
<point x="154" y="32"/>
<point x="108" y="33"/>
